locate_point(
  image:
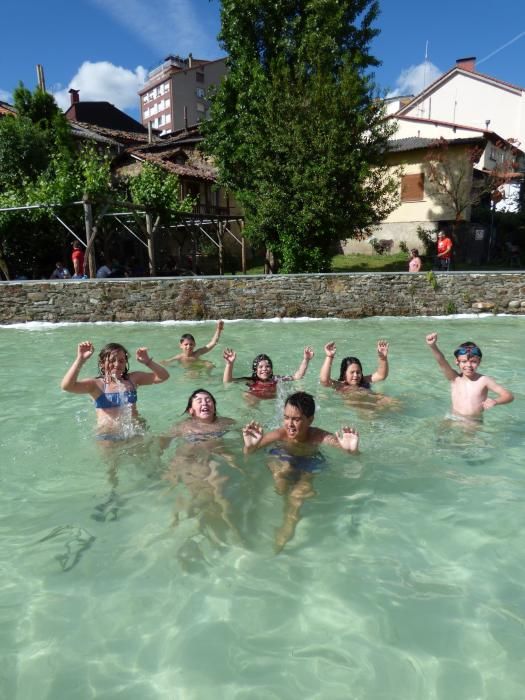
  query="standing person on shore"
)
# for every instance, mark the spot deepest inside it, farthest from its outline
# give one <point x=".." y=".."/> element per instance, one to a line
<point x="77" y="257"/>
<point x="414" y="264"/>
<point x="444" y="251"/>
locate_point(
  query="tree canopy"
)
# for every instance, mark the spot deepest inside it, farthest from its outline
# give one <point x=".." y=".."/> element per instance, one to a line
<point x="296" y="128"/>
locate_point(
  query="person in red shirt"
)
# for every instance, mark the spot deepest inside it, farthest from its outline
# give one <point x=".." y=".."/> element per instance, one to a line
<point x="444" y="251"/>
<point x="77" y="256"/>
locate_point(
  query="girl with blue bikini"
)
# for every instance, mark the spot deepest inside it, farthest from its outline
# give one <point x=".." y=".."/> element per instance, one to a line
<point x="114" y="390"/>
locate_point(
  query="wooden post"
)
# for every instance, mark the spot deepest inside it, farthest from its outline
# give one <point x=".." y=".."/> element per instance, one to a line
<point x="88" y="222"/>
<point x="243" y="247"/>
<point x="221" y="249"/>
<point x="151" y="244"/>
<point x="193" y="250"/>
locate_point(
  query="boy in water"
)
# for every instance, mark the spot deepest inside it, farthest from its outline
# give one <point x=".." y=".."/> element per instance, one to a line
<point x="187" y="345"/>
<point x="469" y="388"/>
<point x="297" y="459"/>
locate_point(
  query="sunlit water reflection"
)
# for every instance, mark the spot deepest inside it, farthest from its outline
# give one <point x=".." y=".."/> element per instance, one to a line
<point x="404" y="578"/>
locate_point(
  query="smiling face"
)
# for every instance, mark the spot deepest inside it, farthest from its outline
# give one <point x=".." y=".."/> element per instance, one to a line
<point x="468" y="364"/>
<point x="202" y="407"/>
<point x="296" y="424"/>
<point x="264" y="370"/>
<point x="114" y="364"/>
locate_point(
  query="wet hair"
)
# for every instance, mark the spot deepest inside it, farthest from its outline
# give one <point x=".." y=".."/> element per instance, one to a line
<point x="466" y="347"/>
<point x="260" y="358"/>
<point x="345" y="364"/>
<point x="106" y="351"/>
<point x="303" y="401"/>
<point x="186" y="336"/>
<point x="201" y="391"/>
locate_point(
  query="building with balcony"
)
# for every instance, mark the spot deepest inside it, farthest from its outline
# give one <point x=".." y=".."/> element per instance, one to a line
<point x="175" y="95"/>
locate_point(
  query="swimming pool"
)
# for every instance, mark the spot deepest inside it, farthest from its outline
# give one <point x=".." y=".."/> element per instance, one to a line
<point x="405" y="578"/>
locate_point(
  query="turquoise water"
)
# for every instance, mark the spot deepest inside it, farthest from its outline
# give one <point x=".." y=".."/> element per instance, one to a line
<point x="405" y="577"/>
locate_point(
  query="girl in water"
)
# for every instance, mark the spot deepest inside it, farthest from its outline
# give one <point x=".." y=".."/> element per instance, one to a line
<point x="114" y="389"/>
<point x="197" y="467"/>
<point x="263" y="382"/>
<point x="351" y="377"/>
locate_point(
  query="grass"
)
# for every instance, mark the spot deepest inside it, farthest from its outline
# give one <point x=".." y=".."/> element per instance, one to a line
<point x="359" y="262"/>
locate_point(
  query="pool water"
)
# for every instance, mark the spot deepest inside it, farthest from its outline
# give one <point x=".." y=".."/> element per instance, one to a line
<point x="405" y="576"/>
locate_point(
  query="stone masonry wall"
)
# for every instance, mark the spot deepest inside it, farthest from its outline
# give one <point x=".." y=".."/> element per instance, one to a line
<point x="351" y="295"/>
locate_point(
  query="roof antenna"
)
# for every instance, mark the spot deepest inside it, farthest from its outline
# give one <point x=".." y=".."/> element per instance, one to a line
<point x="425" y="66"/>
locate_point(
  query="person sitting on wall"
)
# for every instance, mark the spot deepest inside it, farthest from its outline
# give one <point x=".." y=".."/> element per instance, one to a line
<point x="60" y="272"/>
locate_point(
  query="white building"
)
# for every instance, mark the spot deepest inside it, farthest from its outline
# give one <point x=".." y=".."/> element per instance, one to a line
<point x="464" y="96"/>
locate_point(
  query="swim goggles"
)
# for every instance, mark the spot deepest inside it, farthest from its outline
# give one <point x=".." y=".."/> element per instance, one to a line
<point x="470" y="350"/>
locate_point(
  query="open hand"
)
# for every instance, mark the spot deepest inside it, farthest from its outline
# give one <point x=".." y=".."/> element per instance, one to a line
<point x="252" y="434"/>
<point x="348" y="438"/>
<point x="229" y="356"/>
<point x="382" y="349"/>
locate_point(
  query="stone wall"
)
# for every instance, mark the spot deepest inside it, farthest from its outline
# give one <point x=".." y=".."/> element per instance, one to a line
<point x="351" y="295"/>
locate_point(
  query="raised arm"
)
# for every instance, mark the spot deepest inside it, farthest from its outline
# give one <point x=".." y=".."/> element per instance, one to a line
<point x="229" y="358"/>
<point x="504" y="395"/>
<point x="308" y="353"/>
<point x="444" y="366"/>
<point x="324" y="376"/>
<point x="213" y="342"/>
<point x="70" y="381"/>
<point x="381" y="372"/>
<point x="157" y="373"/>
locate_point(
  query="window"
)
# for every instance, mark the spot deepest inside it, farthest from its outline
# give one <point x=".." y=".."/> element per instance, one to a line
<point x="146" y="113"/>
<point x="168" y="103"/>
<point x="199" y="77"/>
<point x="200" y="107"/>
<point x="200" y="92"/>
<point x="413" y="187"/>
<point x="145" y="99"/>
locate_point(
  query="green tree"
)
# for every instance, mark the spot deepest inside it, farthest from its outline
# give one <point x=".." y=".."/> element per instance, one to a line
<point x="158" y="192"/>
<point x="296" y="128"/>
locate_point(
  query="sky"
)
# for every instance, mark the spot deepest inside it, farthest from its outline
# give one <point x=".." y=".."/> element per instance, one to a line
<point x="105" y="48"/>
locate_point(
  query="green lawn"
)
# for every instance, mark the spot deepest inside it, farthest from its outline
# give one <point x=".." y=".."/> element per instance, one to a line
<point x="383" y="263"/>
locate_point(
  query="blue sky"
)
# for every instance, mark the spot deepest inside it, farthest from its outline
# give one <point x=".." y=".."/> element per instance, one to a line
<point x="104" y="48"/>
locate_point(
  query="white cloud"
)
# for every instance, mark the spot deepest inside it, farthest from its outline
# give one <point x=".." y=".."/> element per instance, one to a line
<point x="6" y="96"/>
<point x="413" y="80"/>
<point x="104" y="82"/>
<point x="167" y="26"/>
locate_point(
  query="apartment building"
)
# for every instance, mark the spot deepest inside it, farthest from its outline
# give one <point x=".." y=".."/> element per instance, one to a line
<point x="175" y="94"/>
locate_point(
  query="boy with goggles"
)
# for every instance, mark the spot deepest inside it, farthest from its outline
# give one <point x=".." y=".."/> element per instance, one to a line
<point x="469" y="388"/>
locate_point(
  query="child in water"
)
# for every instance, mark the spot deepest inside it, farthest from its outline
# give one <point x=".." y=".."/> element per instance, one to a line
<point x="114" y="389"/>
<point x="187" y="344"/>
<point x="351" y="377"/>
<point x="196" y="466"/>
<point x="203" y="423"/>
<point x="263" y="382"/>
<point x="296" y="459"/>
<point x="469" y="388"/>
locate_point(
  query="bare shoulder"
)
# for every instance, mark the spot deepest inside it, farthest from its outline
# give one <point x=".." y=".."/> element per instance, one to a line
<point x="319" y="436"/>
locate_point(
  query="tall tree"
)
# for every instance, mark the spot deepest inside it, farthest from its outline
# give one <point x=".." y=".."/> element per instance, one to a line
<point x="296" y="130"/>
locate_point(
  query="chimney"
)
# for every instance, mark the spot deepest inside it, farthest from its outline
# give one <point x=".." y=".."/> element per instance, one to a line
<point x="74" y="96"/>
<point x="467" y="63"/>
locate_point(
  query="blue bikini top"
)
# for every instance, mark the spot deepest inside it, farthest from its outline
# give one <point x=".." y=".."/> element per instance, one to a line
<point x="116" y="399"/>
